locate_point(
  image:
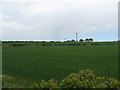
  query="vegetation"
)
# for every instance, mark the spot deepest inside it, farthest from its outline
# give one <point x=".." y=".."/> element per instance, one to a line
<point x="83" y="79"/>
<point x="12" y="82"/>
<point x="81" y="40"/>
<point x="51" y="61"/>
<point x="32" y="62"/>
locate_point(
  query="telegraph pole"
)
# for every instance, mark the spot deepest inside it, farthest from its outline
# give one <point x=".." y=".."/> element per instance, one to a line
<point x="76" y="37"/>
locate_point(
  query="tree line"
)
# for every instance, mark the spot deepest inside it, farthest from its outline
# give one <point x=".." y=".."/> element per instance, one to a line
<point x="81" y="40"/>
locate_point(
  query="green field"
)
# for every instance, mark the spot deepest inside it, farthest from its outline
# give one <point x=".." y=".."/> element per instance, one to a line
<point x="37" y="63"/>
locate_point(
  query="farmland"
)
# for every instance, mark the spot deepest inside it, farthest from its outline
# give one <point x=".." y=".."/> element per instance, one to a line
<point x="37" y="62"/>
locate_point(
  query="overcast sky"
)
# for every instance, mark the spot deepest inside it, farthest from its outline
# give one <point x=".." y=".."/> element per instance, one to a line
<point x="58" y="19"/>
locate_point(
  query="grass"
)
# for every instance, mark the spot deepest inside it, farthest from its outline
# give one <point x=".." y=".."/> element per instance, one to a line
<point x="44" y="63"/>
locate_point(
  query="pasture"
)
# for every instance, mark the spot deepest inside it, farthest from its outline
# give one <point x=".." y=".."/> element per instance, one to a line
<point x="37" y="63"/>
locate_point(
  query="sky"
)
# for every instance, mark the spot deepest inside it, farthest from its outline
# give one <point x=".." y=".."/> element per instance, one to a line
<point x="48" y="20"/>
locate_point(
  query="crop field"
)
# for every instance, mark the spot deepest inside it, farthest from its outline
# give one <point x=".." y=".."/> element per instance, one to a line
<point x="37" y="63"/>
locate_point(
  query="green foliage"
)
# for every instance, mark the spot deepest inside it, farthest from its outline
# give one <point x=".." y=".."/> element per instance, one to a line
<point x="12" y="82"/>
<point x="81" y="40"/>
<point x="83" y="79"/>
<point x="7" y="80"/>
<point x="72" y="40"/>
<point x="49" y="84"/>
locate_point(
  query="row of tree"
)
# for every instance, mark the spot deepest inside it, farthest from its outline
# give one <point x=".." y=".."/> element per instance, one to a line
<point x="82" y="40"/>
<point x="86" y="40"/>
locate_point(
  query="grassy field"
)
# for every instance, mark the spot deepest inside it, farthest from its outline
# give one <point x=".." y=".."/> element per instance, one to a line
<point x="42" y="63"/>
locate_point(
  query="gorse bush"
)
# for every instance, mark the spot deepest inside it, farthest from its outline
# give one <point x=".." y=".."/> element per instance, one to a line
<point x="83" y="79"/>
<point x="49" y="84"/>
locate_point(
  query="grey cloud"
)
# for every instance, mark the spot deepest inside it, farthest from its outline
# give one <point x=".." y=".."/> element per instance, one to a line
<point x="49" y="21"/>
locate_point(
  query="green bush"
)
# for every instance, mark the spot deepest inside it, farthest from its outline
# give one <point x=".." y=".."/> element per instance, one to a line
<point x="83" y="79"/>
<point x="49" y="84"/>
<point x="12" y="82"/>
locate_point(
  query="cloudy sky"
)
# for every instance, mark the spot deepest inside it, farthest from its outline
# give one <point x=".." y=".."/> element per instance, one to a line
<point x="58" y="19"/>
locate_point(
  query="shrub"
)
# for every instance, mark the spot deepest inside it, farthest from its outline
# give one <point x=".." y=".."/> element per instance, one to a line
<point x="12" y="82"/>
<point x="83" y="79"/>
<point x="49" y="84"/>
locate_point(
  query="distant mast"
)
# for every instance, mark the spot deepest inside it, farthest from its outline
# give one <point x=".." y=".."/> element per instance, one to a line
<point x="76" y="37"/>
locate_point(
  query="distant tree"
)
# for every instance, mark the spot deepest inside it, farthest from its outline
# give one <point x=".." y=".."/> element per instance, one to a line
<point x="72" y="40"/>
<point x="58" y="41"/>
<point x="87" y="40"/>
<point x="68" y="41"/>
<point x="52" y="41"/>
<point x="90" y="39"/>
<point x="81" y="40"/>
<point x="43" y="41"/>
